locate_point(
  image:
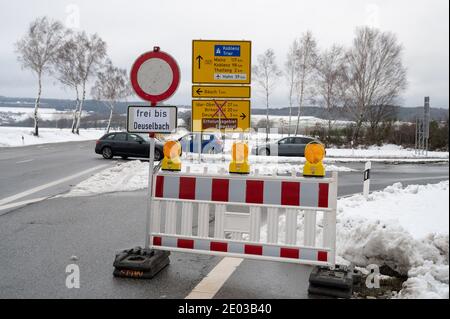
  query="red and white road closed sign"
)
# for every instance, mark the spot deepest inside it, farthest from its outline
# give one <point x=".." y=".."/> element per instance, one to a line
<point x="155" y="76"/>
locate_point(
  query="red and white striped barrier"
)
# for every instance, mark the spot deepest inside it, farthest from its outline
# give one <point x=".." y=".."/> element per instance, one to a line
<point x="251" y="190"/>
<point x="239" y="204"/>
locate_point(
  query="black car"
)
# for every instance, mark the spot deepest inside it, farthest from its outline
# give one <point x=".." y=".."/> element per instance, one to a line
<point x="127" y="145"/>
<point x="287" y="146"/>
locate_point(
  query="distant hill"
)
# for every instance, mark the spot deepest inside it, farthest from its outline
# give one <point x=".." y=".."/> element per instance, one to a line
<point x="404" y="113"/>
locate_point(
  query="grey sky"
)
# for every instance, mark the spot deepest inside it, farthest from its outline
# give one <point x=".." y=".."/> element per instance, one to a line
<point x="133" y="27"/>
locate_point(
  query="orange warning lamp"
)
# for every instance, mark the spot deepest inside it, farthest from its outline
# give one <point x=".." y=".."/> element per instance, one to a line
<point x="171" y="160"/>
<point x="314" y="153"/>
<point x="239" y="158"/>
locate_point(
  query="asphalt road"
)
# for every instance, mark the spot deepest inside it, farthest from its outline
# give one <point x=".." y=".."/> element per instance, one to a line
<point x="38" y="240"/>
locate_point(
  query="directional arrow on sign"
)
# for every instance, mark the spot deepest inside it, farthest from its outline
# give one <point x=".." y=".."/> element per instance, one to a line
<point x="199" y="91"/>
<point x="199" y="58"/>
<point x="243" y="116"/>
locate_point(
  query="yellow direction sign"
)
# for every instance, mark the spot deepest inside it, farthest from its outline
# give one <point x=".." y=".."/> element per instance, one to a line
<point x="220" y="115"/>
<point x="199" y="91"/>
<point x="221" y="62"/>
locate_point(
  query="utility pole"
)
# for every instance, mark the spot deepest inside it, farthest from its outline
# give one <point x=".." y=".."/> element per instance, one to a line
<point x="423" y="130"/>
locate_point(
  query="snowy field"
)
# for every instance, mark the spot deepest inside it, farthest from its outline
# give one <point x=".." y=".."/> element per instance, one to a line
<point x="17" y="114"/>
<point x="305" y="121"/>
<point x="12" y="136"/>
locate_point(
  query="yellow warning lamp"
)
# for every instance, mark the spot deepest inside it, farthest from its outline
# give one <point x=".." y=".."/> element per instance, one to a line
<point x="239" y="158"/>
<point x="171" y="160"/>
<point x="314" y="153"/>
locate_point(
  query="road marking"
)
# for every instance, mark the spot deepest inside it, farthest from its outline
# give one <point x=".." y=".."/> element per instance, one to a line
<point x="42" y="187"/>
<point x="25" y="161"/>
<point x="210" y="285"/>
<point x="22" y="203"/>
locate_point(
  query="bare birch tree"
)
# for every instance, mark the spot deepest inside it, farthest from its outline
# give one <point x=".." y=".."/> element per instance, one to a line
<point x="376" y="75"/>
<point x="66" y="71"/>
<point x="306" y="57"/>
<point x="291" y="73"/>
<point x="90" y="55"/>
<point x="266" y="74"/>
<point x="36" y="51"/>
<point x="330" y="82"/>
<point x="111" y="86"/>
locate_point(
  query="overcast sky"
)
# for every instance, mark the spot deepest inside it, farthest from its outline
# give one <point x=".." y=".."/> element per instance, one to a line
<point x="133" y="27"/>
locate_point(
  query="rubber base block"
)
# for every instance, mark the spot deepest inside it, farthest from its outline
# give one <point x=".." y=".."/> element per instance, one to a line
<point x="140" y="263"/>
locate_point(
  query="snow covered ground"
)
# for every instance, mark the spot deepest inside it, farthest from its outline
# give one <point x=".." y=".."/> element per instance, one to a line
<point x="387" y="151"/>
<point x="17" y="114"/>
<point x="305" y="121"/>
<point x="406" y="228"/>
<point x="12" y="136"/>
<point x="133" y="175"/>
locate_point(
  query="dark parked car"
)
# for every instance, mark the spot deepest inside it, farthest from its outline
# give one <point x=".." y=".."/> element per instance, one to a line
<point x="287" y="146"/>
<point x="127" y="145"/>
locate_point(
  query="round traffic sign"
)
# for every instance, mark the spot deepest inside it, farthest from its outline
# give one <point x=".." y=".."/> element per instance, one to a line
<point x="155" y="76"/>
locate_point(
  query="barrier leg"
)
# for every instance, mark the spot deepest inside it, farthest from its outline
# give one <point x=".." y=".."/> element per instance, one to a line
<point x="329" y="221"/>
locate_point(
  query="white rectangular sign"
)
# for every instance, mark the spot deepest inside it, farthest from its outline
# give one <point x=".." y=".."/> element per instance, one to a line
<point x="151" y="119"/>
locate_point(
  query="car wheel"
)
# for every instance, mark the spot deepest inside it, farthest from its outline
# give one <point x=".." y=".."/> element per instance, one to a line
<point x="158" y="155"/>
<point x="107" y="153"/>
<point x="264" y="152"/>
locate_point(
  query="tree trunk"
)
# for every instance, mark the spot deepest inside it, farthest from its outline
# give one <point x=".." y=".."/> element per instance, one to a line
<point x="299" y="108"/>
<point x="36" y="106"/>
<point x="111" y="107"/>
<point x="329" y="131"/>
<point x="300" y="104"/>
<point x="290" y="115"/>
<point x="74" y="119"/>
<point x="80" y="110"/>
<point x="267" y="116"/>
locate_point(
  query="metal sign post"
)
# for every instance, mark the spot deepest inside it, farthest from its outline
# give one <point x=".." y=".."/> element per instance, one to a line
<point x="151" y="164"/>
<point x="155" y="77"/>
<point x="366" y="177"/>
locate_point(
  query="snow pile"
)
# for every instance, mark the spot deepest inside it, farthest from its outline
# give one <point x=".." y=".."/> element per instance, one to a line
<point x="387" y="151"/>
<point x="133" y="175"/>
<point x="127" y="176"/>
<point x="403" y="228"/>
<point x="12" y="136"/>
